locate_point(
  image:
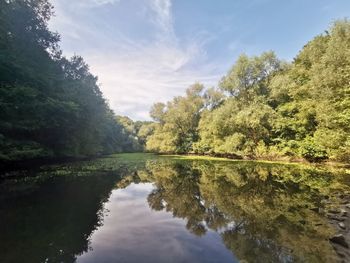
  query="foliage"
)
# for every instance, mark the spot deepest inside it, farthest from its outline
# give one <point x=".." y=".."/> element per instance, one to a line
<point x="177" y="122"/>
<point x="51" y="106"/>
<point x="268" y="108"/>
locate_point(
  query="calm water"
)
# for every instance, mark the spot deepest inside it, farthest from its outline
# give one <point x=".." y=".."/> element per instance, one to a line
<point x="168" y="210"/>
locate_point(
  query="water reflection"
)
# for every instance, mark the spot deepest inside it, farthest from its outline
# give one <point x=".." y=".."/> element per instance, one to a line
<point x="53" y="221"/>
<point x="263" y="212"/>
<point x="170" y="210"/>
<point x="132" y="232"/>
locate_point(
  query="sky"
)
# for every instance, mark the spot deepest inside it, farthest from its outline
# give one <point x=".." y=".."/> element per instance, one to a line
<point x="147" y="51"/>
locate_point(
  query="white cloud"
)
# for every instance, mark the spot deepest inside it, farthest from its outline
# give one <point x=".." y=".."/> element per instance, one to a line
<point x="91" y="3"/>
<point x="135" y="73"/>
<point x="133" y="82"/>
<point x="163" y="17"/>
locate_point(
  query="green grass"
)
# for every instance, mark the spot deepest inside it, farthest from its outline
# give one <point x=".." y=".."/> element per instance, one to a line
<point x="134" y="156"/>
<point x="223" y="159"/>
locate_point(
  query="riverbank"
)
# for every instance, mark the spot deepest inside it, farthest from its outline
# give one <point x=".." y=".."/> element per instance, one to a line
<point x="35" y="163"/>
<point x="337" y="210"/>
<point x="277" y="161"/>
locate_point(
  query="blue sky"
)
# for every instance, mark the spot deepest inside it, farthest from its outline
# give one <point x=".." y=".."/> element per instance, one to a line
<point x="146" y="51"/>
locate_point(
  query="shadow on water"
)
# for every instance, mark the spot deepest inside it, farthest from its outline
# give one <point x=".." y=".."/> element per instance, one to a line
<point x="262" y="212"/>
<point x="51" y="219"/>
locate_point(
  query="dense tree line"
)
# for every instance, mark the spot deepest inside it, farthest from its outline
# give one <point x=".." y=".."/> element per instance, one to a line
<point x="267" y="108"/>
<point x="51" y="106"/>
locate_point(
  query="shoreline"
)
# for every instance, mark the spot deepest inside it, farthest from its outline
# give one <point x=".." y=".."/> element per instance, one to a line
<point x="6" y="165"/>
<point x="332" y="164"/>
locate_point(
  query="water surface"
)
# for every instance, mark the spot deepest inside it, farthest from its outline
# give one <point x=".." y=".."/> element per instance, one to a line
<point x="152" y="209"/>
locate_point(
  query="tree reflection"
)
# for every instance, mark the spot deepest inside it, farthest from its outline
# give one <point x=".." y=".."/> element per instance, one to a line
<point x="53" y="221"/>
<point x="262" y="211"/>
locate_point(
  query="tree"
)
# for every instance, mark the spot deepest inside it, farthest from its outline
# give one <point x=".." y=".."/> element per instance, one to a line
<point x="273" y="109"/>
<point x="51" y="106"/>
<point x="250" y="76"/>
<point x="177" y="122"/>
<point x="245" y="119"/>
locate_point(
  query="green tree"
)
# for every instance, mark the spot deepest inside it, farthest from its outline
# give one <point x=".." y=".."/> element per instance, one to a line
<point x="51" y="106"/>
<point x="177" y="122"/>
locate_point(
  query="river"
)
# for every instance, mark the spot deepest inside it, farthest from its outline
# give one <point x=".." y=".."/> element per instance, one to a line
<point x="146" y="208"/>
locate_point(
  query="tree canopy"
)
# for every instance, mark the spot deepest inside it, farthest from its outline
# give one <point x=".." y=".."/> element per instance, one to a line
<point x="51" y="106"/>
<point x="267" y="108"/>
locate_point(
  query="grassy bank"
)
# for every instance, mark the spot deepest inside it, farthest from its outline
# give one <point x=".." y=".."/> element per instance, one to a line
<point x="137" y="157"/>
<point x="290" y="162"/>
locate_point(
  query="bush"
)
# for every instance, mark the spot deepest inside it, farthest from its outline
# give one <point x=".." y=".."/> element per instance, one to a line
<point x="312" y="151"/>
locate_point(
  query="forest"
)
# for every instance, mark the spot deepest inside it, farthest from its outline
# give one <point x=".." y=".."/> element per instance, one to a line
<point x="263" y="108"/>
<point x="51" y="106"/>
<point x="266" y="108"/>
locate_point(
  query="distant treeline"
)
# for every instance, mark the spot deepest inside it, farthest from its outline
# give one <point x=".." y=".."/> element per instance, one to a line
<point x="50" y="106"/>
<point x="266" y="108"/>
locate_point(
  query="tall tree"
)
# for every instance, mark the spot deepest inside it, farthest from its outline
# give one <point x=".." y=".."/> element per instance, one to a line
<point x="177" y="126"/>
<point x="51" y="106"/>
